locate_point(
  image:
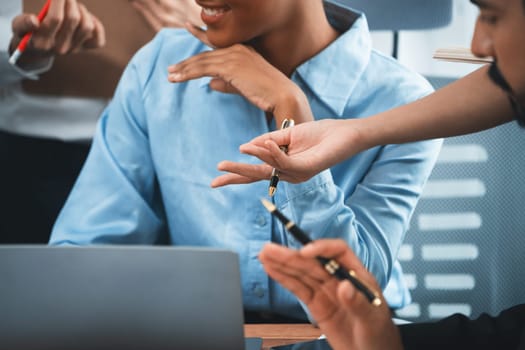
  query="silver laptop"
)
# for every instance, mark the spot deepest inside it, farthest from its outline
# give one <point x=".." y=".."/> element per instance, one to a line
<point x="120" y="297"/>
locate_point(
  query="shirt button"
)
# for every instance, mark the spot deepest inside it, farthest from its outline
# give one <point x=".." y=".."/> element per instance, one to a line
<point x="259" y="292"/>
<point x="260" y="220"/>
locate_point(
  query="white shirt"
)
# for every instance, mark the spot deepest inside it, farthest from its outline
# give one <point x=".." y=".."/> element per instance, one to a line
<point x="55" y="117"/>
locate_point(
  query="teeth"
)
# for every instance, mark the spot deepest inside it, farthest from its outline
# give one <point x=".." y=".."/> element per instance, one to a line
<point x="213" y="12"/>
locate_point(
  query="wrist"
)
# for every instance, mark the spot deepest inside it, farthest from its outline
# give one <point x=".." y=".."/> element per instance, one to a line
<point x="363" y="134"/>
<point x="293" y="105"/>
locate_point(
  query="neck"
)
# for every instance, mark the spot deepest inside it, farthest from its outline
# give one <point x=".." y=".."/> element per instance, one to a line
<point x="297" y="40"/>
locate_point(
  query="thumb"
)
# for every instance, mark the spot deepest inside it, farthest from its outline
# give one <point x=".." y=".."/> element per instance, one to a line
<point x="353" y="301"/>
<point x="23" y="24"/>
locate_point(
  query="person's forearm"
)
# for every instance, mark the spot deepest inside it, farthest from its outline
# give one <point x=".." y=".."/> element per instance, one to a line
<point x="470" y="104"/>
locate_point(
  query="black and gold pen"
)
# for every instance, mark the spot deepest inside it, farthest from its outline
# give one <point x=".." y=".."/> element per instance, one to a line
<point x="330" y="265"/>
<point x="274" y="179"/>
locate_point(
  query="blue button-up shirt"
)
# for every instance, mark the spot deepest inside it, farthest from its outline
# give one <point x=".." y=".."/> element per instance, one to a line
<point x="147" y="177"/>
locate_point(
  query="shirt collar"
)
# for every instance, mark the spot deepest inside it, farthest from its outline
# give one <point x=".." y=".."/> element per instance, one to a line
<point x="333" y="73"/>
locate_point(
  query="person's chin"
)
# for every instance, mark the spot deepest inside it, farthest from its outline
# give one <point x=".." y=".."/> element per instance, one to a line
<point x="220" y="39"/>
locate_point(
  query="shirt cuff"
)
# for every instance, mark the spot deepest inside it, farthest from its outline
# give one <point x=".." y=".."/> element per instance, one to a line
<point x="293" y="191"/>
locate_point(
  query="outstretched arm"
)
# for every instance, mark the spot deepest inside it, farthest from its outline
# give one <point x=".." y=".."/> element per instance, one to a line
<point x="470" y="104"/>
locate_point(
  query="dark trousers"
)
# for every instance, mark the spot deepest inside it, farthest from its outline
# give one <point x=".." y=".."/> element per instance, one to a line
<point x="36" y="176"/>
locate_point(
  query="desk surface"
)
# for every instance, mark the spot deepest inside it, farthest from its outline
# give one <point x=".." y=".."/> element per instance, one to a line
<point x="281" y="334"/>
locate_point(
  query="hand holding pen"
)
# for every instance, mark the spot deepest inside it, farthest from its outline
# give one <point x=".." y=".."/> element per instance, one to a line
<point x="343" y="314"/>
<point x="330" y="265"/>
<point x="274" y="179"/>
<point x="61" y="27"/>
<point x="25" y="39"/>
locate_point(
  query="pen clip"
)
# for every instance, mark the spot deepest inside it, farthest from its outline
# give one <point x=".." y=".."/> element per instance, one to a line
<point x="287" y="123"/>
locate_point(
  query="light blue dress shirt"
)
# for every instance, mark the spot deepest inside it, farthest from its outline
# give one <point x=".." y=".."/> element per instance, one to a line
<point x="147" y="178"/>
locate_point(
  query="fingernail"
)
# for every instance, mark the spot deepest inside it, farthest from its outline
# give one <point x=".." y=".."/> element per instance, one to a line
<point x="33" y="21"/>
<point x="175" y="77"/>
<point x="348" y="290"/>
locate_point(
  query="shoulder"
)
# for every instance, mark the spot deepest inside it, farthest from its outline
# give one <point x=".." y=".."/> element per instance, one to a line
<point x="395" y="79"/>
<point x="168" y="47"/>
<point x="396" y="72"/>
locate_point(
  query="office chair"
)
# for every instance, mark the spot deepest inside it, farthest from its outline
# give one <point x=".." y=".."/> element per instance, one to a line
<point x="465" y="249"/>
<point x="403" y="15"/>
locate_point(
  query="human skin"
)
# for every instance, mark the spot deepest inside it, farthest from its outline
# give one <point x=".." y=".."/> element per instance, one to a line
<point x="343" y="314"/>
<point x="169" y="13"/>
<point x="274" y="36"/>
<point x="68" y="27"/>
<point x="470" y="104"/>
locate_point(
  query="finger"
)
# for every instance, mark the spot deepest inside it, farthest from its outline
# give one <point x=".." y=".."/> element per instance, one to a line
<point x="198" y="32"/>
<point x="231" y="179"/>
<point x="355" y="302"/>
<point x="149" y="16"/>
<point x="292" y="263"/>
<point x="330" y="248"/>
<point x="254" y="171"/>
<point x="270" y="153"/>
<point x="274" y="258"/>
<point x="280" y="137"/>
<point x="274" y="157"/>
<point x="321" y="305"/>
<point x="338" y="250"/>
<point x="44" y="37"/>
<point x="85" y="29"/>
<point x="257" y="151"/>
<point x="294" y="285"/>
<point x="169" y="16"/>
<point x="279" y="158"/>
<point x="206" y="58"/>
<point x="64" y="36"/>
<point x="319" y="294"/>
<point x="23" y="24"/>
<point x="205" y="64"/>
<point x="159" y="10"/>
<point x="54" y="17"/>
<point x="98" y="39"/>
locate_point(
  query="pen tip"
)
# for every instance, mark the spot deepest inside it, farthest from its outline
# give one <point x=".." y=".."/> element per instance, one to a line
<point x="268" y="205"/>
<point x="271" y="191"/>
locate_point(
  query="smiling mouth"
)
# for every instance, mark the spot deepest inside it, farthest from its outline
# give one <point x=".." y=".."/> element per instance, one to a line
<point x="214" y="12"/>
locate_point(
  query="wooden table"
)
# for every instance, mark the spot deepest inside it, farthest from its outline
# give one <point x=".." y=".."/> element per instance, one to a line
<point x="281" y="334"/>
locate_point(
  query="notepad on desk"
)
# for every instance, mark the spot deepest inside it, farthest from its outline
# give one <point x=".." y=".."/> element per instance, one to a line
<point x="460" y="54"/>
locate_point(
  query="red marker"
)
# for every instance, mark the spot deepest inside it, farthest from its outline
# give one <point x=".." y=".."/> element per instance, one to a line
<point x="23" y="43"/>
